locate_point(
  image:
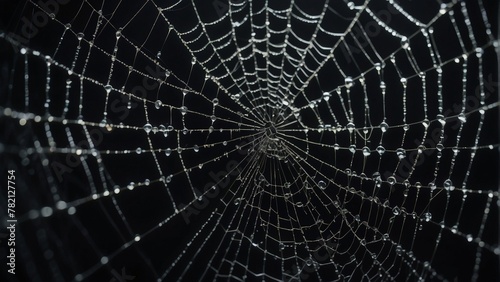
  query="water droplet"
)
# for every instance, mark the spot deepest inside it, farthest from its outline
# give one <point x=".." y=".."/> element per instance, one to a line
<point x="427" y="216"/>
<point x="158" y="104"/>
<point x="439" y="147"/>
<point x="352" y="149"/>
<point x="382" y="85"/>
<point x="237" y="201"/>
<point x="326" y="96"/>
<point x="147" y="127"/>
<point x="336" y="146"/>
<point x="108" y="88"/>
<point x="366" y="151"/>
<point x="432" y="185"/>
<point x="131" y="185"/>
<point x="396" y="211"/>
<point x="309" y="262"/>
<point x="322" y="184"/>
<point x="138" y="150"/>
<point x="118" y="33"/>
<point x="183" y="110"/>
<point x="401" y="153"/>
<point x="391" y="180"/>
<point x="282" y="246"/>
<point x="104" y="260"/>
<point x="425" y="123"/>
<point x="348" y="82"/>
<point x="469" y="238"/>
<point x="224" y="143"/>
<point x="80" y="36"/>
<point x="421" y="149"/>
<point x="441" y="119"/>
<point x="448" y="184"/>
<point x="196" y="148"/>
<point x="399" y="250"/>
<point x="384" y="126"/>
<point x="406" y="191"/>
<point x="48" y="60"/>
<point x="405" y="43"/>
<point x="462" y="118"/>
<point x="350" y="126"/>
<point x="442" y="9"/>
<point x="168" y="151"/>
<point x="215" y="101"/>
<point x="380" y="149"/>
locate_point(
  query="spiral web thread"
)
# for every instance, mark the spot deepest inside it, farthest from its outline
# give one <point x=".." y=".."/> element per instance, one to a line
<point x="356" y="133"/>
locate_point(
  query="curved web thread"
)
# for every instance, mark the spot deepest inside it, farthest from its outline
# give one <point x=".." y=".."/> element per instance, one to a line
<point x="281" y="141"/>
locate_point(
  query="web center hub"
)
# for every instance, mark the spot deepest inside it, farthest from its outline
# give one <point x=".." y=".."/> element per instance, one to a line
<point x="271" y="131"/>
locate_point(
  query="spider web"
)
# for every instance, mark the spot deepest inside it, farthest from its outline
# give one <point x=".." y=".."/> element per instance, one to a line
<point x="272" y="140"/>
